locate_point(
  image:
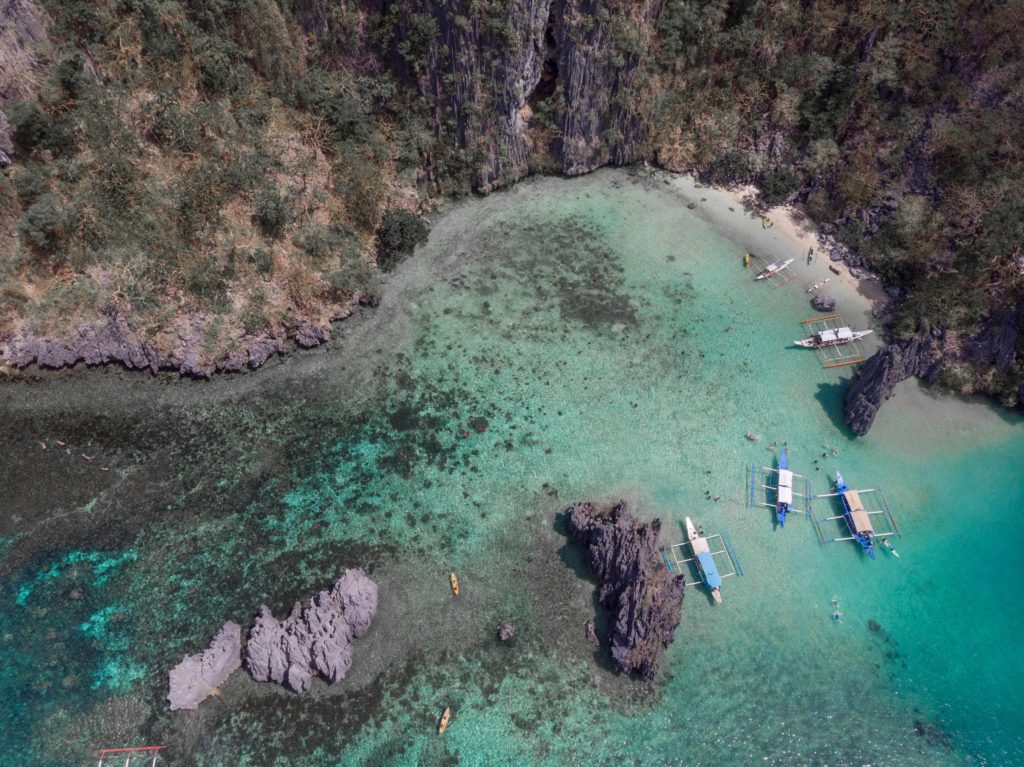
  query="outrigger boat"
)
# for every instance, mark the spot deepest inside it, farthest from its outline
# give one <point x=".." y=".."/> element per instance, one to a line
<point x="705" y="561"/>
<point x="861" y="517"/>
<point x="832" y="337"/>
<point x="817" y="285"/>
<point x="857" y="519"/>
<point x="773" y="268"/>
<point x="784" y="490"/>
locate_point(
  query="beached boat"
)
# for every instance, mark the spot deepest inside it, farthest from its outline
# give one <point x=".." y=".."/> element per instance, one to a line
<point x="857" y="518"/>
<point x="832" y="337"/>
<point x="818" y="284"/>
<point x="783" y="490"/>
<point x="455" y="583"/>
<point x="773" y="268"/>
<point x="705" y="561"/>
<point x="445" y="718"/>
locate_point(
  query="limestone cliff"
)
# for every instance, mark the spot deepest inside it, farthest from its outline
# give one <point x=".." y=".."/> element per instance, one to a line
<point x="547" y="84"/>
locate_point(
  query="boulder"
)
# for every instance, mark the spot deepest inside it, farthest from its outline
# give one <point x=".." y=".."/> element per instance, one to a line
<point x="198" y="676"/>
<point x="824" y="303"/>
<point x="506" y="631"/>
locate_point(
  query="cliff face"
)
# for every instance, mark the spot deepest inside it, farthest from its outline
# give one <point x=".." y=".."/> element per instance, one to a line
<point x="547" y="84"/>
<point x="876" y="378"/>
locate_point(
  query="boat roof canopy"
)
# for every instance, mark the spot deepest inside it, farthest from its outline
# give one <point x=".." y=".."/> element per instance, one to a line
<point x="710" y="570"/>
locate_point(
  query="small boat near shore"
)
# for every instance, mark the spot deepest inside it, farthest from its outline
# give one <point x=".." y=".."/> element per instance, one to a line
<point x="446" y="717"/>
<point x="705" y="561"/>
<point x="455" y="583"/>
<point x="773" y="268"/>
<point x="817" y="285"/>
<point x="832" y="337"/>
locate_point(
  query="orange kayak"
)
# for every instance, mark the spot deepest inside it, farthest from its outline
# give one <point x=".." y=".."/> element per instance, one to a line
<point x="445" y="718"/>
<point x="455" y="583"/>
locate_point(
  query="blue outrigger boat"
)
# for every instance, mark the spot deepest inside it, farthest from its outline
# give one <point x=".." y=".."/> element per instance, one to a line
<point x="857" y="519"/>
<point x="783" y="490"/>
<point x="705" y="561"/>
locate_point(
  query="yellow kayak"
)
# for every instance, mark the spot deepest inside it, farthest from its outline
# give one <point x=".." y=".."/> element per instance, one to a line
<point x="455" y="583"/>
<point x="746" y="260"/>
<point x="445" y="718"/>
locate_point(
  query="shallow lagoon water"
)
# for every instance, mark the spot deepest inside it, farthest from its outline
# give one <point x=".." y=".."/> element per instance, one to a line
<point x="595" y="339"/>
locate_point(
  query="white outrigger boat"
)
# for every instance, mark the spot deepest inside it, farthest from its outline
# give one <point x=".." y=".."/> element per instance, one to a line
<point x="705" y="561"/>
<point x="817" y="285"/>
<point x="832" y="337"/>
<point x="773" y="268"/>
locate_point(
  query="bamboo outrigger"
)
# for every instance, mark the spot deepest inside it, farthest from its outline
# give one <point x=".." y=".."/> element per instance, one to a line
<point x="833" y="340"/>
<point x="860" y="519"/>
<point x="781" y="489"/>
<point x="702" y="563"/>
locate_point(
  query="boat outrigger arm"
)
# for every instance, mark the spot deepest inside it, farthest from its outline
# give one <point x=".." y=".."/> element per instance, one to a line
<point x="858" y="519"/>
<point x="832" y="337"/>
<point x="773" y="268"/>
<point x="703" y="559"/>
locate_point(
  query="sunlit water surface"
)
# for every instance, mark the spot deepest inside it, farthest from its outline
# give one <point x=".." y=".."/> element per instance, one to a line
<point x="588" y="339"/>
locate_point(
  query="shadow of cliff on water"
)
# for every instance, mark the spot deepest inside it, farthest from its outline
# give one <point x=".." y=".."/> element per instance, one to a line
<point x="831" y="396"/>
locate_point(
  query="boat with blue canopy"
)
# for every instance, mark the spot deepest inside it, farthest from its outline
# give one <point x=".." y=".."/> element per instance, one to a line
<point x="705" y="561"/>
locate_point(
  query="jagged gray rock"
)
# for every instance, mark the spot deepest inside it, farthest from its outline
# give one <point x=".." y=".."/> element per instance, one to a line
<point x="645" y="600"/>
<point x="921" y="356"/>
<point x="198" y="676"/>
<point x="314" y="640"/>
<point x="506" y="631"/>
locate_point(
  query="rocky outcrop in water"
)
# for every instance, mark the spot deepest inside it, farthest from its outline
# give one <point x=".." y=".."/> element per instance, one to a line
<point x="316" y="639"/>
<point x="921" y="356"/>
<point x="197" y="677"/>
<point x="179" y="348"/>
<point x="645" y="600"/>
<point x="506" y="631"/>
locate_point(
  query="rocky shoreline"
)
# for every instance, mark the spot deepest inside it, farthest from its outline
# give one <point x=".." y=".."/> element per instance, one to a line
<point x="643" y="598"/>
<point x="179" y="348"/>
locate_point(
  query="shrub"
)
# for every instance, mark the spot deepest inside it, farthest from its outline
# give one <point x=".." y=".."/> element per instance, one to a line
<point x="399" y="233"/>
<point x="31" y="125"/>
<point x="271" y="211"/>
<point x="221" y="65"/>
<point x="30" y="182"/>
<point x="319" y="241"/>
<point x="353" y="274"/>
<point x="261" y="259"/>
<point x="777" y="184"/>
<point x="46" y="223"/>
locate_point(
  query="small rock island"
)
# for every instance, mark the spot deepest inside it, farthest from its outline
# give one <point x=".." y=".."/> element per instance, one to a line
<point x="315" y="639"/>
<point x="645" y="599"/>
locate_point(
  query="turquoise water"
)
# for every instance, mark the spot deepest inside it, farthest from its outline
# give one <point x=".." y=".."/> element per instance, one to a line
<point x="593" y="339"/>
